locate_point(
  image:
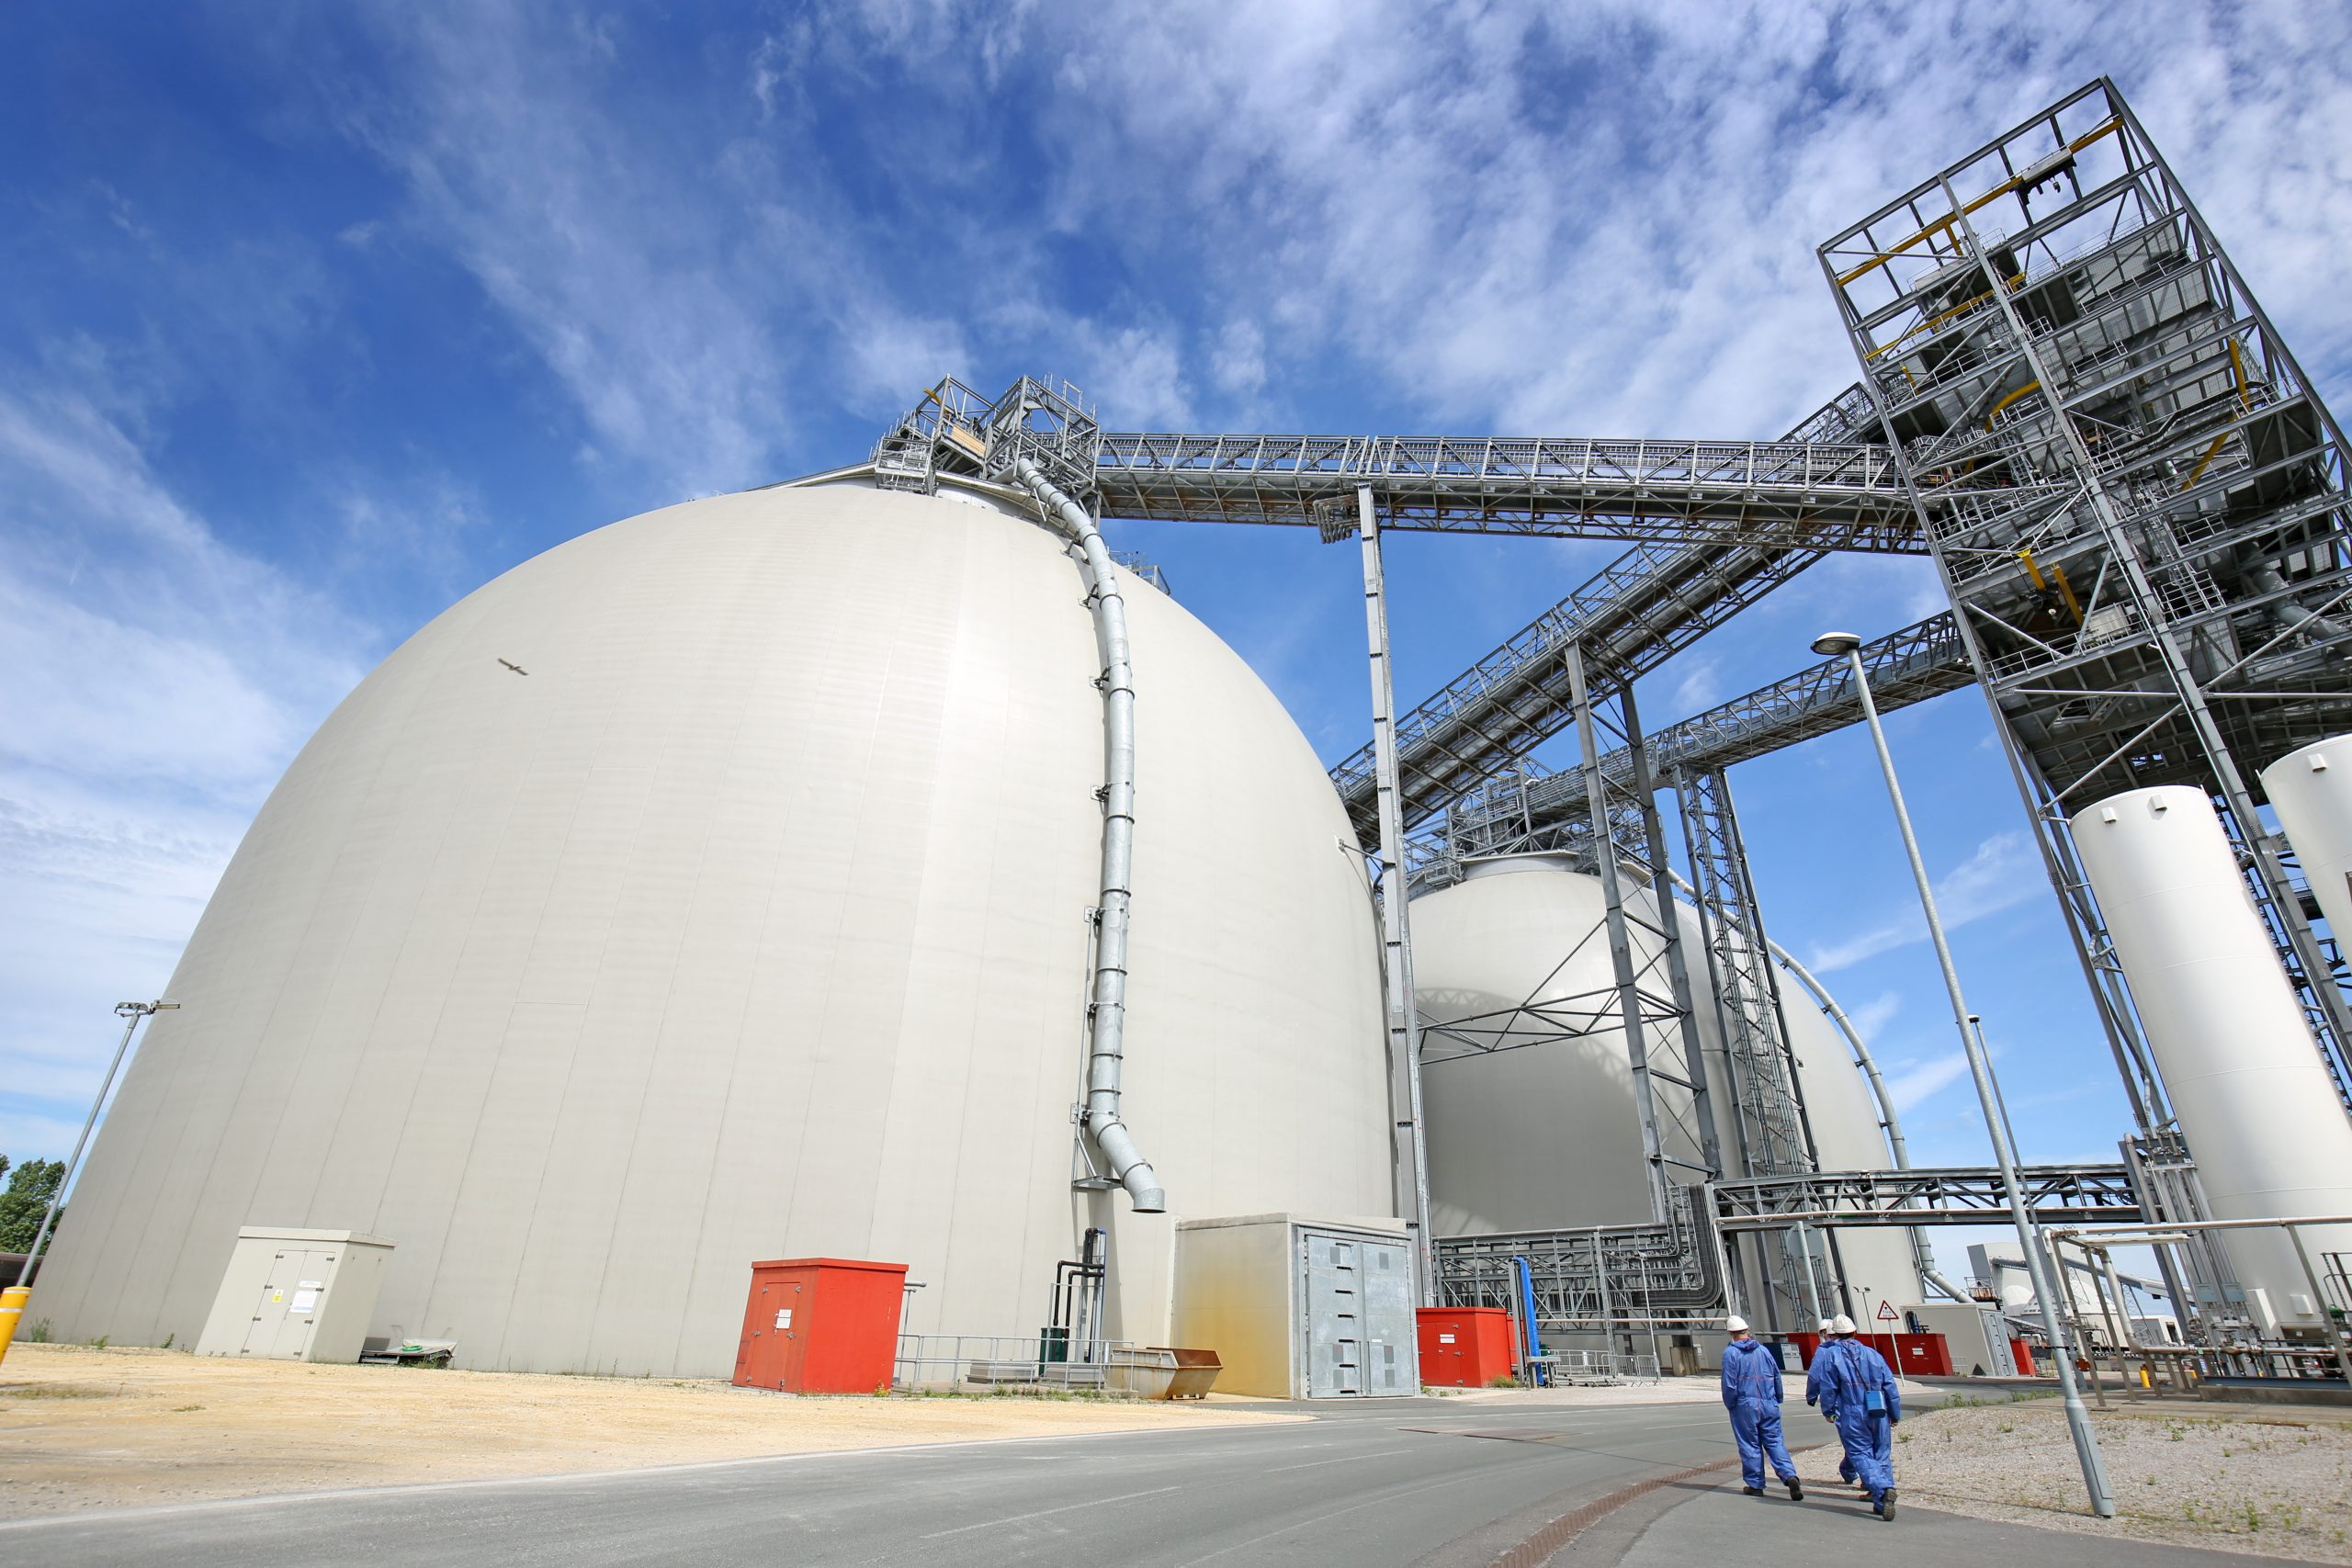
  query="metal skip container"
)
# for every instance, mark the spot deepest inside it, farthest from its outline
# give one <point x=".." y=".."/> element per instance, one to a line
<point x="2254" y="1098"/>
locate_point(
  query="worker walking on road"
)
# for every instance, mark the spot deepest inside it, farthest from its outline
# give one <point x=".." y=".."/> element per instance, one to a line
<point x="1822" y="1356"/>
<point x="1752" y="1394"/>
<point x="1858" y="1391"/>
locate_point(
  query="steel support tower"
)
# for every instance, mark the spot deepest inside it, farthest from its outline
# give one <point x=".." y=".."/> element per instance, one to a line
<point x="2160" y="597"/>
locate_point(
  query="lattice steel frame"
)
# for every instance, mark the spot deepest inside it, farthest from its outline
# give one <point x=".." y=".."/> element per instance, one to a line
<point x="2166" y="586"/>
<point x="1775" y="1135"/>
<point x="1640" y="1005"/>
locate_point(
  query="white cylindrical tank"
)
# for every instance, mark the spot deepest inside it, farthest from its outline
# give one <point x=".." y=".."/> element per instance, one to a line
<point x="713" y="887"/>
<point x="2253" y="1099"/>
<point x="2312" y="791"/>
<point x="1527" y="1088"/>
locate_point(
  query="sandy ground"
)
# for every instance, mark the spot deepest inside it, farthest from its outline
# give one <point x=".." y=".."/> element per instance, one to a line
<point x="2270" y="1480"/>
<point x="83" y="1429"/>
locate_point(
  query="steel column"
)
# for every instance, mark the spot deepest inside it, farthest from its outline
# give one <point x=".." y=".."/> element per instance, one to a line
<point x="1409" y="1148"/>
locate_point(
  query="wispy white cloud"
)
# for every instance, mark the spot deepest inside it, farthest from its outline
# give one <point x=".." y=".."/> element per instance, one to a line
<point x="1870" y="1019"/>
<point x="157" y="681"/>
<point x="2003" y="872"/>
<point x="1916" y="1084"/>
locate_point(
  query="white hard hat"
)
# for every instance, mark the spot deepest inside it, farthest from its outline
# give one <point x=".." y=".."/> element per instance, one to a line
<point x="1826" y="1326"/>
<point x="1737" y="1324"/>
<point x="1844" y="1325"/>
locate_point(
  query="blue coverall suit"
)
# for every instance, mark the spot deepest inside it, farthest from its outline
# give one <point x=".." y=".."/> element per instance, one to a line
<point x="1822" y="1356"/>
<point x="1848" y="1380"/>
<point x="1752" y="1394"/>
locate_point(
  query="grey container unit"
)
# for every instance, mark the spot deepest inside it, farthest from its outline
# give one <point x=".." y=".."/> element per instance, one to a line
<point x="296" y="1295"/>
<point x="1300" y="1308"/>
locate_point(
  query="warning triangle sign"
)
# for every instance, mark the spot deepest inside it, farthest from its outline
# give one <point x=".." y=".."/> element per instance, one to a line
<point x="1886" y="1312"/>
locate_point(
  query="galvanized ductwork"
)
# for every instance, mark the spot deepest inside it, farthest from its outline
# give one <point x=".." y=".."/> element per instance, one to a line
<point x="1106" y="1015"/>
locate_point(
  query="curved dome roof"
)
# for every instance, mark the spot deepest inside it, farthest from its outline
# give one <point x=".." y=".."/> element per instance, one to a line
<point x="749" y="923"/>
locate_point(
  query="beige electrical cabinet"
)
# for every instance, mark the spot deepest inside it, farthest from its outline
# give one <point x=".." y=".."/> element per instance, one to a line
<point x="296" y="1295"/>
<point x="1300" y="1308"/>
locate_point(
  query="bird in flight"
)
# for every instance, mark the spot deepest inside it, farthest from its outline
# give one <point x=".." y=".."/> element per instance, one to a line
<point x="516" y="668"/>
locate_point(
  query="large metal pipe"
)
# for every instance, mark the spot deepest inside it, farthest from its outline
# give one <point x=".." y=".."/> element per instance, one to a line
<point x="1106" y="1017"/>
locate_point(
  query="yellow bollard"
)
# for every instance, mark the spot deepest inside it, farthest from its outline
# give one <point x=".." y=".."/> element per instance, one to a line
<point x="12" y="1309"/>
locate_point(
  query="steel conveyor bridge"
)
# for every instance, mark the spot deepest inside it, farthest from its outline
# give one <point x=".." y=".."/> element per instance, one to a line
<point x="1602" y="1274"/>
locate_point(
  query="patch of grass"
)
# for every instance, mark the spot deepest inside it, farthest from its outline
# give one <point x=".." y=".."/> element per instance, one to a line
<point x="38" y="1333"/>
<point x="97" y="1344"/>
<point x="59" y="1390"/>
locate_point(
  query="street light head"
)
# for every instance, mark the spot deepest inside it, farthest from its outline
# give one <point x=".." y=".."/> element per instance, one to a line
<point x="1833" y="645"/>
<point x="167" y="1007"/>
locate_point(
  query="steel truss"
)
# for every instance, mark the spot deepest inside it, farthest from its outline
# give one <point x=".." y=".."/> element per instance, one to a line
<point x="1528" y="807"/>
<point x="1827" y="495"/>
<point x="1640" y="1004"/>
<point x="1632" y="616"/>
<point x="1599" y="1274"/>
<point x="1775" y="1136"/>
<point x="1955" y="1195"/>
<point x="2168" y="589"/>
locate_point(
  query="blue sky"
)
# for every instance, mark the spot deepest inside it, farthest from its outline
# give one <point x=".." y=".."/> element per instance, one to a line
<point x="313" y="321"/>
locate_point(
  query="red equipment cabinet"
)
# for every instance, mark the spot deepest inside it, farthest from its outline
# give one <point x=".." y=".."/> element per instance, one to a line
<point x="820" y="1326"/>
<point x="1463" y="1346"/>
<point x="1913" y="1354"/>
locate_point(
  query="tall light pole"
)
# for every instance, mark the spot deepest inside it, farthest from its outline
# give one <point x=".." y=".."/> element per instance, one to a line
<point x="1980" y="1067"/>
<point x="131" y="1014"/>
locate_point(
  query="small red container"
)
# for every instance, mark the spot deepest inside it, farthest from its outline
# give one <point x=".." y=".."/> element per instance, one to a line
<point x="2023" y="1355"/>
<point x="820" y="1326"/>
<point x="1464" y="1347"/>
<point x="1913" y="1354"/>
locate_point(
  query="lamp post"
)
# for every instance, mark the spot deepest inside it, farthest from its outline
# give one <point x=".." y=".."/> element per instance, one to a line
<point x="131" y="1014"/>
<point x="1980" y="1069"/>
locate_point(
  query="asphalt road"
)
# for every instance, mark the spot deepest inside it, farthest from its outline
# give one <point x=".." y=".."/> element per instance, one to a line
<point x="1381" y="1483"/>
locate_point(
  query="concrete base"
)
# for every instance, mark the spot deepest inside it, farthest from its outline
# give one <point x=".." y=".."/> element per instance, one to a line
<point x="2276" y="1390"/>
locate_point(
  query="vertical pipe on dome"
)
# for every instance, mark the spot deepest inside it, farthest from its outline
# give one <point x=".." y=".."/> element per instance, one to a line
<point x="1106" y="1016"/>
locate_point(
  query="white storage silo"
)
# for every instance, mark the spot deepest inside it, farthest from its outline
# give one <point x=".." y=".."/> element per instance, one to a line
<point x="1528" y="1130"/>
<point x="713" y="887"/>
<point x="2253" y="1099"/>
<point x="2312" y="791"/>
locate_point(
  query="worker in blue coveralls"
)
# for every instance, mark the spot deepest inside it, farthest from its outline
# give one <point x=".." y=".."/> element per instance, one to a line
<point x="1828" y="1330"/>
<point x="1858" y="1392"/>
<point x="1752" y="1394"/>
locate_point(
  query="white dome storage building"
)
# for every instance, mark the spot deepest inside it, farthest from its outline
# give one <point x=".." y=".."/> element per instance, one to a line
<point x="713" y="887"/>
<point x="1529" y="1130"/>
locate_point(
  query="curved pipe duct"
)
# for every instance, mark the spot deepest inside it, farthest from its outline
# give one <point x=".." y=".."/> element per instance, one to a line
<point x="1107" y="1014"/>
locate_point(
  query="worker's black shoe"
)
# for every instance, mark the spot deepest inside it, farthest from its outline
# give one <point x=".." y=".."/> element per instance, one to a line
<point x="1753" y="1491"/>
<point x="1886" y="1505"/>
<point x="1796" y="1490"/>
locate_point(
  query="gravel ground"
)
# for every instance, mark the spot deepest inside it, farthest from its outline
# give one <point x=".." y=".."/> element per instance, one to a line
<point x="84" y="1429"/>
<point x="2273" y="1481"/>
